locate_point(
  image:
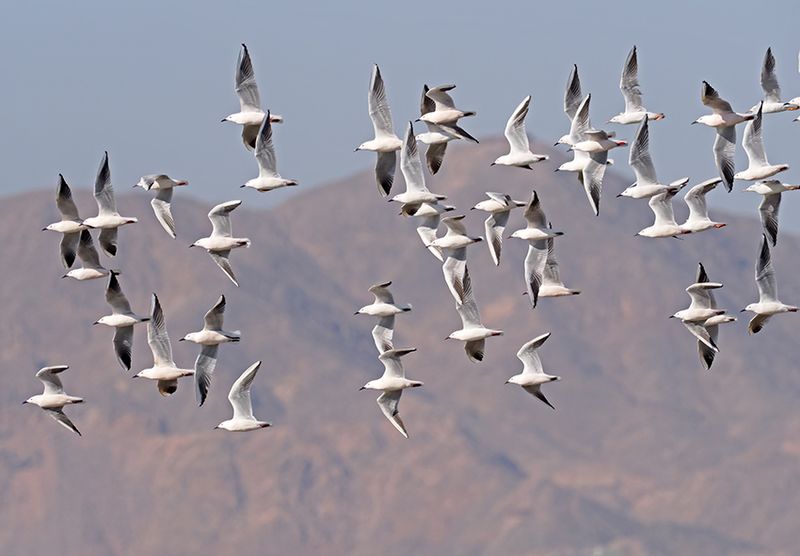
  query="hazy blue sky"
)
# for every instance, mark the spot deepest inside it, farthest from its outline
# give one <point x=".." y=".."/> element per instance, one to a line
<point x="150" y="81"/>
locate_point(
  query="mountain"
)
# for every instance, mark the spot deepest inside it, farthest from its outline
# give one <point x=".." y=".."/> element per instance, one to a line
<point x="647" y="453"/>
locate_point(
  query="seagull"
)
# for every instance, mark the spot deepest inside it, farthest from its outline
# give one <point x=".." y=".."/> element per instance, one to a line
<point x="664" y="224"/>
<point x="250" y="114"/>
<point x="698" y="220"/>
<point x="552" y="286"/>
<point x="163" y="370"/>
<point x="499" y="207"/>
<point x="536" y="233"/>
<point x="90" y="260"/>
<point x="416" y="191"/>
<point x="770" y="203"/>
<point x="758" y="167"/>
<point x="590" y="167"/>
<point x="70" y="225"/>
<point x="724" y="120"/>
<point x="221" y="242"/>
<point x="268" y="176"/>
<point x="163" y="185"/>
<point x="385" y="309"/>
<point x="122" y="319"/>
<point x="438" y="136"/>
<point x="768" y="303"/>
<point x="572" y="101"/>
<point x="239" y="397"/>
<point x="597" y="140"/>
<point x="53" y="399"/>
<point x="772" y="91"/>
<point x="444" y="111"/>
<point x="210" y="337"/>
<point x="519" y="153"/>
<point x="428" y="216"/>
<point x="711" y="325"/>
<point x="702" y="308"/>
<point x="392" y="384"/>
<point x="107" y="219"/>
<point x="647" y="183"/>
<point x="386" y="143"/>
<point x="635" y="111"/>
<point x="472" y="332"/>
<point x="454" y="248"/>
<point x="533" y="376"/>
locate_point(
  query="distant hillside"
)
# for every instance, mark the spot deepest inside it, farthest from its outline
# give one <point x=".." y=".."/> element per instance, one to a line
<point x="646" y="454"/>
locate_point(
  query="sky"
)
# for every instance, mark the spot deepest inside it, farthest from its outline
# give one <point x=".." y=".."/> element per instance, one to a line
<point x="150" y="81"/>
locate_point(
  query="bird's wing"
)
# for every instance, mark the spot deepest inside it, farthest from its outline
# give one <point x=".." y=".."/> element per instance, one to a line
<point x="725" y="154"/>
<point x="392" y="365"/>
<point x="49" y="378"/>
<point x="64" y="202"/>
<point x="434" y="156"/>
<point x="629" y="83"/>
<point x="203" y="371"/>
<point x="765" y="274"/>
<point x="535" y="262"/>
<point x="382" y="333"/>
<point x="640" y="159"/>
<point x="537" y="392"/>
<point x="769" y="80"/>
<point x="661" y="205"/>
<point x="239" y="395"/>
<point x="455" y="274"/>
<point x="426" y="104"/>
<point x="441" y="99"/>
<point x="410" y="164"/>
<point x="87" y="252"/>
<point x="696" y="200"/>
<point x="529" y="355"/>
<point x="382" y="293"/>
<point x="710" y="97"/>
<point x="107" y="238"/>
<point x="157" y="337"/>
<point x="757" y="323"/>
<point x="475" y="350"/>
<point x="214" y="317"/>
<point x="572" y="94"/>
<point x="515" y="128"/>
<point x="385" y="167"/>
<point x="534" y="214"/>
<point x="701" y="333"/>
<point x="700" y="294"/>
<point x="592" y="177"/>
<point x="753" y="140"/>
<point x="115" y="296"/>
<point x="123" y="345"/>
<point x="551" y="275"/>
<point x="494" y="226"/>
<point x="220" y="218"/>
<point x="222" y="261"/>
<point x="768" y="210"/>
<point x="62" y="419"/>
<point x="581" y="122"/>
<point x="388" y="402"/>
<point x="379" y="111"/>
<point x="246" y="87"/>
<point x="103" y="191"/>
<point x="265" y="150"/>
<point x="69" y="247"/>
<point x="162" y="210"/>
<point x="426" y="229"/>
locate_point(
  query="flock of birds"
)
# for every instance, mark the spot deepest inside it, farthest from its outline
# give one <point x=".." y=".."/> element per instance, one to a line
<point x="590" y="157"/>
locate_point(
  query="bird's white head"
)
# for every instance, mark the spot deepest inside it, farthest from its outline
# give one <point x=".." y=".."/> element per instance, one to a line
<point x="190" y="337"/>
<point x="369" y="386"/>
<point x="563" y="140"/>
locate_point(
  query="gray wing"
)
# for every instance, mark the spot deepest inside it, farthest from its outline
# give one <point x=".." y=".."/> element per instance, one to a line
<point x="581" y="122"/>
<point x="535" y="262"/>
<point x="769" y="80"/>
<point x="385" y="167"/>
<point x="220" y="218"/>
<point x="222" y="261"/>
<point x="381" y="292"/>
<point x="87" y="252"/>
<point x="265" y="150"/>
<point x="426" y="104"/>
<point x="157" y="337"/>
<point x="454" y="270"/>
<point x="629" y="83"/>
<point x="203" y="371"/>
<point x="551" y="274"/>
<point x="392" y="365"/>
<point x="529" y="354"/>
<point x="62" y="419"/>
<point x="69" y="247"/>
<point x="426" y="229"/>
<point x="537" y="392"/>
<point x="246" y="87"/>
<point x="515" y="127"/>
<point x="163" y="211"/>
<point x="103" y="191"/>
<point x="753" y="140"/>
<point x="768" y="210"/>
<point x="239" y="395"/>
<point x="382" y="334"/>
<point x="534" y="214"/>
<point x="592" y="178"/>
<point x="710" y="97"/>
<point x="494" y="226"/>
<point x="572" y="95"/>
<point x="167" y="387"/>
<point x="107" y="238"/>
<point x="757" y="323"/>
<point x="476" y="350"/>
<point x="410" y="164"/>
<point x="725" y="154"/>
<point x="701" y="333"/>
<point x="115" y="297"/>
<point x="64" y="202"/>
<point x="379" y="111"/>
<point x="440" y="97"/>
<point x="48" y="376"/>
<point x="388" y="402"/>
<point x="696" y="199"/>
<point x="214" y="317"/>
<point x="434" y="156"/>
<point x="765" y="274"/>
<point x="640" y="159"/>
<point x="123" y="345"/>
<point x="707" y="354"/>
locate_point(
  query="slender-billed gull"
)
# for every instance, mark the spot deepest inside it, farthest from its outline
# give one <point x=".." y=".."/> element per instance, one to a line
<point x="499" y="207"/>
<point x="250" y="114"/>
<point x="772" y="102"/>
<point x="239" y="397"/>
<point x="533" y="376"/>
<point x="220" y="243"/>
<point x="536" y="233"/>
<point x="454" y="248"/>
<point x="107" y="219"/>
<point x="90" y="260"/>
<point x="519" y="153"/>
<point x="391" y="384"/>
<point x="635" y="111"/>
<point x="647" y="183"/>
<point x="770" y="203"/>
<point x="163" y="185"/>
<point x="386" y="143"/>
<point x="572" y="101"/>
<point x="70" y="225"/>
<point x="758" y="167"/>
<point x="209" y="338"/>
<point x="438" y="136"/>
<point x="472" y="332"/>
<point x="122" y="319"/>
<point x="268" y="176"/>
<point x="53" y="399"/>
<point x="164" y="370"/>
<point x="768" y="303"/>
<point x="427" y="217"/>
<point x="385" y="309"/>
<point x="695" y="198"/>
<point x="664" y="224"/>
<point x="416" y="191"/>
<point x="552" y="285"/>
<point x="444" y="111"/>
<point x="706" y="352"/>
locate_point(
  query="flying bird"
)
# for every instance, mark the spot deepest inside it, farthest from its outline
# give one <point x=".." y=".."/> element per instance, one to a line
<point x="533" y="376"/>
<point x="53" y="399"/>
<point x="164" y="370"/>
<point x="695" y="198"/>
<point x="758" y="167"/>
<point x="770" y="190"/>
<point x="454" y="248"/>
<point x="444" y="109"/>
<point x="209" y="338"/>
<point x="122" y="319"/>
<point x="385" y="309"/>
<point x="250" y="114"/>
<point x="635" y="111"/>
<point x="391" y="384"/>
<point x="472" y="332"/>
<point x="221" y="242"/>
<point x="768" y="303"/>
<point x="572" y="101"/>
<point x="438" y="136"/>
<point x="416" y="191"/>
<point x="707" y="353"/>
<point x="427" y="217"/>
<point x="647" y="183"/>
<point x="90" y="260"/>
<point x="70" y="225"/>
<point x="772" y="102"/>
<point x="268" y="176"/>
<point x="552" y="285"/>
<point x="519" y="153"/>
<point x="239" y="398"/>
<point x="499" y="207"/>
<point x="664" y="224"/>
<point x="163" y="185"/>
<point x="108" y="219"/>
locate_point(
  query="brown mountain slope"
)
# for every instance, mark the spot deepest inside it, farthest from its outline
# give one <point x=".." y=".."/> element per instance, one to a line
<point x="646" y="453"/>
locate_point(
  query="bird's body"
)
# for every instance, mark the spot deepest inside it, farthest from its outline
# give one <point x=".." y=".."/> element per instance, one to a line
<point x="768" y="303"/>
<point x="53" y="399"/>
<point x="519" y="153"/>
<point x="444" y="111"/>
<point x="391" y="384"/>
<point x="70" y="225"/>
<point x="635" y="112"/>
<point x="533" y="376"/>
<point x="221" y="241"/>
<point x="239" y="397"/>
